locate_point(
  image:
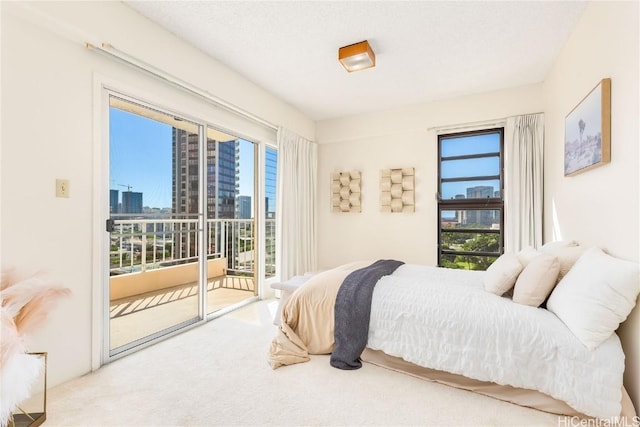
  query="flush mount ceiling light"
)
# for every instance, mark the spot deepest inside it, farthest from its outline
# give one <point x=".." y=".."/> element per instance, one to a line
<point x="356" y="57"/>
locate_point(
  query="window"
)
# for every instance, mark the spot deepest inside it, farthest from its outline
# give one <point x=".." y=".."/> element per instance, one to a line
<point x="270" y="190"/>
<point x="470" y="202"/>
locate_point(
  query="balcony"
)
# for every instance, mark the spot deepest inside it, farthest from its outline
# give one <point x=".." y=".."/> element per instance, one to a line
<point x="154" y="270"/>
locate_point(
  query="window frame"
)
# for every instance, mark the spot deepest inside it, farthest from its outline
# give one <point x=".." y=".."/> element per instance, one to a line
<point x="490" y="203"/>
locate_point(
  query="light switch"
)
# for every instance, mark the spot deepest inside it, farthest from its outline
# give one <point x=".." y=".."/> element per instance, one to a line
<point x="62" y="188"/>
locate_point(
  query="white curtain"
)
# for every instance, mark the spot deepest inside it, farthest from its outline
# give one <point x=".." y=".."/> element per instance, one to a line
<point x="296" y="211"/>
<point x="524" y="145"/>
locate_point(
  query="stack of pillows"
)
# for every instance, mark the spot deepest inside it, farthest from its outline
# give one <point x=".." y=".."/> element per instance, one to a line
<point x="589" y="290"/>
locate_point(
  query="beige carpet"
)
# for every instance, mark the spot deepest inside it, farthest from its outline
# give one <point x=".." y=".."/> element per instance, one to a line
<point x="217" y="374"/>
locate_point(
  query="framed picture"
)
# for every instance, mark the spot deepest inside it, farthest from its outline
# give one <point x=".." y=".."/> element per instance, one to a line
<point x="587" y="131"/>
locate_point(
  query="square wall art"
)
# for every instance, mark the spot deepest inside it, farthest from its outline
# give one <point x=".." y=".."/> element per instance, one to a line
<point x="345" y="192"/>
<point x="397" y="190"/>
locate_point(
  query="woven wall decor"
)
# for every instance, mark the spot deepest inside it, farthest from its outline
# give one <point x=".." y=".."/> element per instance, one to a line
<point x="397" y="190"/>
<point x="345" y="192"/>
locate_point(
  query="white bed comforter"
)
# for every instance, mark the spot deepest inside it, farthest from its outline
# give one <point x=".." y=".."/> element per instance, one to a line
<point x="443" y="319"/>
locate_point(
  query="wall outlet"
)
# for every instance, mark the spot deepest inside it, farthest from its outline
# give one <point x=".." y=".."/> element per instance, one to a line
<point x="62" y="188"/>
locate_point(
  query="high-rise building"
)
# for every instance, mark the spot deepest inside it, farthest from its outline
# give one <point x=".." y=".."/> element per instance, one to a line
<point x="221" y="175"/>
<point x="131" y="202"/>
<point x="114" y="197"/>
<point x="480" y="192"/>
<point x="185" y="172"/>
<point x="270" y="175"/>
<point x="244" y="207"/>
<point x="460" y="216"/>
<point x="480" y="217"/>
<point x="220" y="183"/>
<point x="270" y="189"/>
<point x="227" y="179"/>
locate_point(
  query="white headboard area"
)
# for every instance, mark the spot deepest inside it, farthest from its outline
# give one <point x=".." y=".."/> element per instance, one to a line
<point x="629" y="333"/>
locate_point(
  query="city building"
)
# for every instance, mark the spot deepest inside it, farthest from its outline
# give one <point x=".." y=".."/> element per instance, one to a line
<point x="221" y="175"/>
<point x="244" y="207"/>
<point x="480" y="217"/>
<point x="114" y="201"/>
<point x="270" y="181"/>
<point x="221" y="181"/>
<point x="131" y="202"/>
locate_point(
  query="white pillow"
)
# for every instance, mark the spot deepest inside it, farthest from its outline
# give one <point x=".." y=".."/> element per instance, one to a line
<point x="502" y="274"/>
<point x="567" y="256"/>
<point x="537" y="280"/>
<point x="596" y="296"/>
<point x="526" y="255"/>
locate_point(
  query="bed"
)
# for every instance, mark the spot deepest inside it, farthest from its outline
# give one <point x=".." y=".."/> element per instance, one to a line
<point x="443" y="325"/>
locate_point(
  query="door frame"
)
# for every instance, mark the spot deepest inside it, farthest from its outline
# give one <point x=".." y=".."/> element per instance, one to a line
<point x="102" y="87"/>
<point x="106" y="91"/>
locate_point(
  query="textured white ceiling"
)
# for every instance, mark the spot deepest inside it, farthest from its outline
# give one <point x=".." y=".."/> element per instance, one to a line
<point x="425" y="50"/>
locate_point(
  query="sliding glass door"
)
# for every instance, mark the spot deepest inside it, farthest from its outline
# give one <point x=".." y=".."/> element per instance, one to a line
<point x="154" y="225"/>
<point x="182" y="224"/>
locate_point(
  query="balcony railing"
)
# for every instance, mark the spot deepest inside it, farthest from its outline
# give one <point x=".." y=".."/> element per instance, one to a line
<point x="142" y="244"/>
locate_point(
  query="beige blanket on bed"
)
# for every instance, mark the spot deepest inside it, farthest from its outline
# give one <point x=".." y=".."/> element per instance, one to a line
<point x="308" y="318"/>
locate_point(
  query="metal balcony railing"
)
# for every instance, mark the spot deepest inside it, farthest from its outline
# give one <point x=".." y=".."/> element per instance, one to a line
<point x="141" y="244"/>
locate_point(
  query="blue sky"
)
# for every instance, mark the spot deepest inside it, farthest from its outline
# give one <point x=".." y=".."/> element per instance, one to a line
<point x="477" y="144"/>
<point x="140" y="157"/>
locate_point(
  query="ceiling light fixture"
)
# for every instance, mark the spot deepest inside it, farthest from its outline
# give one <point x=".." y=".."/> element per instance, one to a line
<point x="356" y="57"/>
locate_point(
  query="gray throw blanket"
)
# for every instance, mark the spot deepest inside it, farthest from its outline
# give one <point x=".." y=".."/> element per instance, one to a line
<point x="353" y="312"/>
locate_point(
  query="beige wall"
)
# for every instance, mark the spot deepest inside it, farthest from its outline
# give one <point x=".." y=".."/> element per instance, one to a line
<point x="48" y="120"/>
<point x="395" y="139"/>
<point x="599" y="207"/>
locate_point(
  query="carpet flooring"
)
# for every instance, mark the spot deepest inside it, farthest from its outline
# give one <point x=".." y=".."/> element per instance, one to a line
<point x="217" y="374"/>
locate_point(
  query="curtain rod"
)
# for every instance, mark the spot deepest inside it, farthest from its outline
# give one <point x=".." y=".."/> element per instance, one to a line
<point x="112" y="52"/>
<point x="482" y="123"/>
